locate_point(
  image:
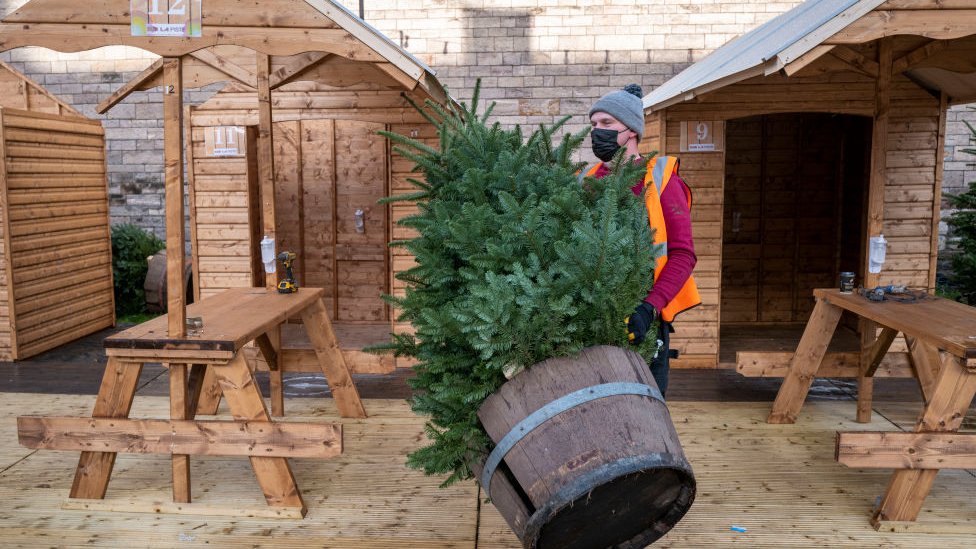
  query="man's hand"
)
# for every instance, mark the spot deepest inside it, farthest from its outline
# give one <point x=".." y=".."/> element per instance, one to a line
<point x="640" y="322"/>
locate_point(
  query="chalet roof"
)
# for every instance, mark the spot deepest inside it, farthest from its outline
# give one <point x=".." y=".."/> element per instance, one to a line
<point x="811" y="30"/>
<point x="273" y="27"/>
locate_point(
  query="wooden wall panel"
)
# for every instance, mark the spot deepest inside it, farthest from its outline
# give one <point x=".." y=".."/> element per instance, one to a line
<point x="361" y="251"/>
<point x="696" y="331"/>
<point x="219" y="219"/>
<point x="318" y="168"/>
<point x="910" y="203"/>
<point x="57" y="247"/>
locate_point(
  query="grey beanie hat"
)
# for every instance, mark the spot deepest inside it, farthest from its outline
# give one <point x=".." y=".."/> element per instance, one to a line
<point x="625" y="105"/>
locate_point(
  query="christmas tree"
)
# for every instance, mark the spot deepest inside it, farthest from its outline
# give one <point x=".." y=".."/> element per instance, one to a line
<point x="517" y="262"/>
<point x="963" y="223"/>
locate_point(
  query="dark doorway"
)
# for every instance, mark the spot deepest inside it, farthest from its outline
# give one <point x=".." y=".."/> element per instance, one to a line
<point x="795" y="188"/>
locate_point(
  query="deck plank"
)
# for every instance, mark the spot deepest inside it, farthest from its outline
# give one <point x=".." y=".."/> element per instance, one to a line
<point x="778" y="481"/>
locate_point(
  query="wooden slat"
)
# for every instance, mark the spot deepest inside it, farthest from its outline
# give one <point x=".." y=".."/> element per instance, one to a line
<point x="149" y="74"/>
<point x="888" y="450"/>
<point x="112" y="506"/>
<point x="295" y="67"/>
<point x="200" y="438"/>
<point x="230" y="320"/>
<point x="271" y="40"/>
<point x="834" y="365"/>
<point x="226" y="66"/>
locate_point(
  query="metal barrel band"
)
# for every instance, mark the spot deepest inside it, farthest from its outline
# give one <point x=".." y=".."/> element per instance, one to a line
<point x="552" y="409"/>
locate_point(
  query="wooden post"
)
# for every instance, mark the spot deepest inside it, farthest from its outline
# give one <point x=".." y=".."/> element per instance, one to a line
<point x="178" y="408"/>
<point x="266" y="153"/>
<point x="173" y="146"/>
<point x="879" y="150"/>
<point x="937" y="195"/>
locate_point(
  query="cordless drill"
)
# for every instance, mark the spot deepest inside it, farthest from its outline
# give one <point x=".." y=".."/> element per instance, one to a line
<point x="288" y="284"/>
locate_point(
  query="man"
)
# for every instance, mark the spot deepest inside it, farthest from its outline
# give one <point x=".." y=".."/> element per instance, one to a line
<point x="618" y="123"/>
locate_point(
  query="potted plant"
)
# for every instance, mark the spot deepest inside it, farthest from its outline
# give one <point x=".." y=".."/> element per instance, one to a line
<point x="525" y="271"/>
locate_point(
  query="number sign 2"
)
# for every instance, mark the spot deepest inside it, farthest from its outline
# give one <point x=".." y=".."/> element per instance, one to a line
<point x="166" y="17"/>
<point x="702" y="136"/>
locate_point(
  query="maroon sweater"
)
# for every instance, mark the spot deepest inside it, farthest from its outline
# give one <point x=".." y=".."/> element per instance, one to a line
<point x="681" y="246"/>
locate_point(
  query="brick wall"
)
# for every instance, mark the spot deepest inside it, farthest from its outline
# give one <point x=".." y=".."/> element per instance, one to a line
<point x="542" y="60"/>
<point x="539" y="60"/>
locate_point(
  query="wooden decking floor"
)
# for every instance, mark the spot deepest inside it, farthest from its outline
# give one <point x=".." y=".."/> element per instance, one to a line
<point x="778" y="481"/>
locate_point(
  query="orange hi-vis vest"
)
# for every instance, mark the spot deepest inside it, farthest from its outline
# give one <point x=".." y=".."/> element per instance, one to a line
<point x="658" y="175"/>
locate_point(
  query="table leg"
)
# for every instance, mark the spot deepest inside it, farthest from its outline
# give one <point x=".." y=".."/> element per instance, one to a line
<point x="323" y="338"/>
<point x="951" y="397"/>
<point x="179" y="409"/>
<point x="269" y="344"/>
<point x="114" y="401"/>
<point x="809" y="354"/>
<point x="925" y="362"/>
<point x="873" y="351"/>
<point x="865" y="382"/>
<point x="198" y="374"/>
<point x="245" y="402"/>
<point x="209" y="398"/>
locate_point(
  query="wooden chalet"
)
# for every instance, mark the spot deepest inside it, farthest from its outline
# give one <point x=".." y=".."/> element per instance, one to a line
<point x="802" y="139"/>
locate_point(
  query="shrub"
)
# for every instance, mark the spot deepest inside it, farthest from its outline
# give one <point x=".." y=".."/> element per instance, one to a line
<point x="131" y="246"/>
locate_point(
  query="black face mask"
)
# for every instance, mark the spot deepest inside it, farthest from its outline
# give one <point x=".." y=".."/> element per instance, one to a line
<point x="604" y="143"/>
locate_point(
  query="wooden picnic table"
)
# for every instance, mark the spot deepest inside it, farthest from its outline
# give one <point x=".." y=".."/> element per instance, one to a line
<point x="201" y="368"/>
<point x="941" y="338"/>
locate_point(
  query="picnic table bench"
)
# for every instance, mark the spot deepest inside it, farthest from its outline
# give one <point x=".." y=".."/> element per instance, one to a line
<point x="201" y="368"/>
<point x="941" y="338"/>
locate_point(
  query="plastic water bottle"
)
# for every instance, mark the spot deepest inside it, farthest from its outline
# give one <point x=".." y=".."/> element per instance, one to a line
<point x="268" y="254"/>
<point x="877" y="253"/>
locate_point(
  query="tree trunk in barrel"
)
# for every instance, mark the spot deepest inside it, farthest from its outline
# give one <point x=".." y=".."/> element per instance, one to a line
<point x="586" y="454"/>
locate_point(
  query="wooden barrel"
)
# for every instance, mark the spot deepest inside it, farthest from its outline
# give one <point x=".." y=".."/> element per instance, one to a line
<point x="586" y="454"/>
<point x="155" y="283"/>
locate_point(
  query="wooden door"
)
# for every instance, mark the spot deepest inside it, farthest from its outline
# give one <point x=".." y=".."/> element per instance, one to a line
<point x="793" y="183"/>
<point x="329" y="175"/>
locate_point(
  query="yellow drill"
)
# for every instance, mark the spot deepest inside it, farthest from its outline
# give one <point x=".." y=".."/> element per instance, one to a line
<point x="288" y="284"/>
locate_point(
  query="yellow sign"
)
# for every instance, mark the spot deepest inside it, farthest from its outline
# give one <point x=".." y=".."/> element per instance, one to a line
<point x="224" y="141"/>
<point x="702" y="136"/>
<point x="166" y="17"/>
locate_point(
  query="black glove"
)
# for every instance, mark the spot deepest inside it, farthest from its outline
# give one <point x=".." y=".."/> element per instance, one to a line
<point x="640" y="322"/>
